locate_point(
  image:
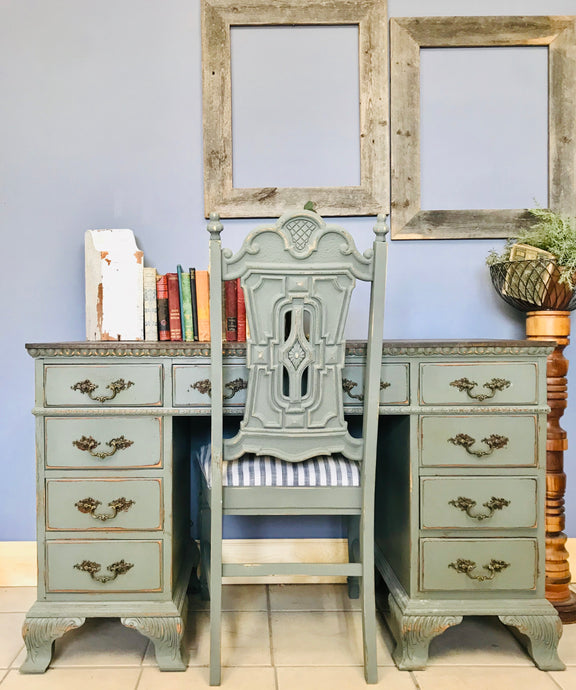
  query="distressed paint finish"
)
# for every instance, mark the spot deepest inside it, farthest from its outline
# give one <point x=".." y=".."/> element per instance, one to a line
<point x="159" y="451"/>
<point x="114" y="286"/>
<point x="372" y="195"/>
<point x="299" y="265"/>
<point x="407" y="36"/>
<point x="39" y="635"/>
<point x="438" y="562"/>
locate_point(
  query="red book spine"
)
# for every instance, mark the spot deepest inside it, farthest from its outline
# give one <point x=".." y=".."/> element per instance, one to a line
<point x="174" y="307"/>
<point x="231" y="310"/>
<point x="162" y="306"/>
<point x="241" y="316"/>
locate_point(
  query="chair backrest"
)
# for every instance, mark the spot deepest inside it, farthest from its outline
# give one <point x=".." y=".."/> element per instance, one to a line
<point x="298" y="276"/>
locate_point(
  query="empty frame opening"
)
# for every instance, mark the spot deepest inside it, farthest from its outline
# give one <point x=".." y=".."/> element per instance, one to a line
<point x="295" y="106"/>
<point x="484" y="127"/>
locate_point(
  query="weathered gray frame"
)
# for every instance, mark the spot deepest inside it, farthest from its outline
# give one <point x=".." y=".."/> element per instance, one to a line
<point x="407" y="36"/>
<point x="372" y="195"/>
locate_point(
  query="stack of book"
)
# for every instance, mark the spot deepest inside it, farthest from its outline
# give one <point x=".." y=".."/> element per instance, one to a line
<point x="176" y="307"/>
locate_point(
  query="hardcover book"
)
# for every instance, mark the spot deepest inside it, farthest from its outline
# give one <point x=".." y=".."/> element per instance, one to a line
<point x="185" y="305"/>
<point x="150" y="305"/>
<point x="241" y="318"/>
<point x="174" y="307"/>
<point x="162" y="304"/>
<point x="231" y="310"/>
<point x="203" y="303"/>
<point x="194" y="303"/>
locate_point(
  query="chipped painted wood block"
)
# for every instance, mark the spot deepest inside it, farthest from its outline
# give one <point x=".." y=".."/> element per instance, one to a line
<point x="114" y="286"/>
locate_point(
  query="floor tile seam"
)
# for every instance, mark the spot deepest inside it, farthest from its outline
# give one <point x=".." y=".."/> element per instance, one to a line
<point x="139" y="677"/>
<point x="146" y="647"/>
<point x="82" y="667"/>
<point x="270" y="634"/>
<point x="22" y="646"/>
<point x="512" y="667"/>
<point x="415" y="681"/>
<point x="223" y="665"/>
<point x="556" y="683"/>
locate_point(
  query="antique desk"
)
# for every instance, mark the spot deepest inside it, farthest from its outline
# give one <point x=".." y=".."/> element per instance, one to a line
<point x="459" y="490"/>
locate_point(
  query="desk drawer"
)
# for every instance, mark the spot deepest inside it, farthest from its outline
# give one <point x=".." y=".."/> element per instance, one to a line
<point x="191" y="385"/>
<point x="95" y="385"/>
<point x="478" y="502"/>
<point x="108" y="504"/>
<point x="393" y="384"/>
<point x="498" y="383"/>
<point x="478" y="441"/>
<point x="75" y="442"/>
<point x="444" y="563"/>
<point x="139" y="566"/>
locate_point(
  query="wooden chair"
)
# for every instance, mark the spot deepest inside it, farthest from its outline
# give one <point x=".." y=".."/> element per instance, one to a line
<point x="293" y="453"/>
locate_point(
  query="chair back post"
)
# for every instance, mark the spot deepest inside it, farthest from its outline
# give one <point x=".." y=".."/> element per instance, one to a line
<point x="215" y="227"/>
<point x="370" y="435"/>
<point x="374" y="355"/>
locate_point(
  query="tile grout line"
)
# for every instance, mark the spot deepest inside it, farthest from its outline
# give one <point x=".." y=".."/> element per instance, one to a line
<point x="139" y="677"/>
<point x="270" y="639"/>
<point x="414" y="680"/>
<point x="555" y="681"/>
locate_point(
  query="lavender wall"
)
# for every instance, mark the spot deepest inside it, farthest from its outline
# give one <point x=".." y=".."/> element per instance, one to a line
<point x="101" y="127"/>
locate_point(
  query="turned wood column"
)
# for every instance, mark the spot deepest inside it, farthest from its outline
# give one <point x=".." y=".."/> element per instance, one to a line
<point x="555" y="326"/>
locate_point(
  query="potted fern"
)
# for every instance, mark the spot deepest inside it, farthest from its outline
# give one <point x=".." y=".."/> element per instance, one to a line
<point x="537" y="269"/>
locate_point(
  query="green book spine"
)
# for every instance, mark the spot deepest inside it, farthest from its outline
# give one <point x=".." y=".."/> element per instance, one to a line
<point x="186" y="299"/>
<point x="194" y="302"/>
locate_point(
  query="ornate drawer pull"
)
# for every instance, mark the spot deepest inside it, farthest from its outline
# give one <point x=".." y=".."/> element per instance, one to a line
<point x="205" y="387"/>
<point x="88" y="388"/>
<point x="467" y="504"/>
<point x="348" y="385"/>
<point x="88" y="444"/>
<point x="118" y="568"/>
<point x="493" y="385"/>
<point x="494" y="442"/>
<point x="89" y="505"/>
<point x="466" y="567"/>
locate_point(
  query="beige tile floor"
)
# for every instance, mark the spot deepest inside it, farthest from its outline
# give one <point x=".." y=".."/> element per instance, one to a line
<point x="281" y="637"/>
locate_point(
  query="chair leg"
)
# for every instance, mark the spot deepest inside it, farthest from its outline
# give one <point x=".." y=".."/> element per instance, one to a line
<point x="353" y="554"/>
<point x="204" y="528"/>
<point x="368" y="600"/>
<point x="215" y="585"/>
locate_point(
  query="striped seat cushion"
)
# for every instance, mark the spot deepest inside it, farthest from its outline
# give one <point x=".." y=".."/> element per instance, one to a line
<point x="265" y="470"/>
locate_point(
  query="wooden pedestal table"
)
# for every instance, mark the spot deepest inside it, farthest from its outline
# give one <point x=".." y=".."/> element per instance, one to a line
<point x="555" y="326"/>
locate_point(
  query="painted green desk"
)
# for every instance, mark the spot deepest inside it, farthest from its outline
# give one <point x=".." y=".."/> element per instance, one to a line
<point x="459" y="491"/>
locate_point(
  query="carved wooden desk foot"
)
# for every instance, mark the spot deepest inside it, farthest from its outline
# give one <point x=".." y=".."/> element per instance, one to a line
<point x="39" y="635"/>
<point x="166" y="633"/>
<point x="540" y="635"/>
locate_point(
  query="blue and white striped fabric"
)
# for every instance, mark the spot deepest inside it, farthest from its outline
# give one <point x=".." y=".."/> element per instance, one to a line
<point x="265" y="470"/>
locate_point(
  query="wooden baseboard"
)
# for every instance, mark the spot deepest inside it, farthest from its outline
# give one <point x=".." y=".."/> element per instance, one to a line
<point x="18" y="558"/>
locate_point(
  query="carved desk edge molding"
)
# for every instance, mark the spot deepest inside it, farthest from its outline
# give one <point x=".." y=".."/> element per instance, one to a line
<point x="354" y="348"/>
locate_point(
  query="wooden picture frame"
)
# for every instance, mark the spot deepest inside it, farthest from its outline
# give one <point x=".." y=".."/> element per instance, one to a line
<point x="407" y="37"/>
<point x="372" y="195"/>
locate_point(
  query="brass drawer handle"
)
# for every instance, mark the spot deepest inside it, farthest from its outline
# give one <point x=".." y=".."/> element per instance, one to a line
<point x="494" y="442"/>
<point x="348" y="385"/>
<point x="118" y="505"/>
<point x="118" y="568"/>
<point x="88" y="444"/>
<point x="467" y="505"/>
<point x="204" y="387"/>
<point x="493" y="385"/>
<point x="87" y="387"/>
<point x="466" y="567"/>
